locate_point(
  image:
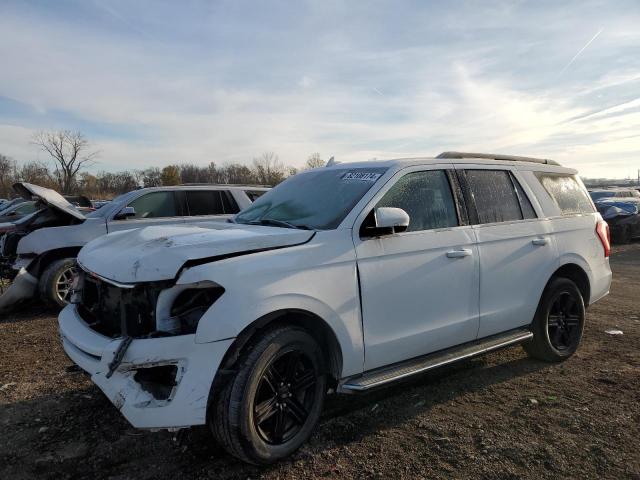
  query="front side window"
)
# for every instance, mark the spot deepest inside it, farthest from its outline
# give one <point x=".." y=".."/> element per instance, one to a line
<point x="495" y="196"/>
<point x="566" y="192"/>
<point x="317" y="199"/>
<point x="427" y="199"/>
<point x="155" y="205"/>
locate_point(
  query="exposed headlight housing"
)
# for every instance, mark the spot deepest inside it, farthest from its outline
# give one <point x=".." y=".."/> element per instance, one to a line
<point x="180" y="308"/>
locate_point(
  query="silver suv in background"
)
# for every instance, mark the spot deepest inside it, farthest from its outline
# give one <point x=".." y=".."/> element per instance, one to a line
<point x="39" y="253"/>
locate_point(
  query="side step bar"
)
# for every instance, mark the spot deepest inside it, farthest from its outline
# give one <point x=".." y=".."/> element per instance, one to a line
<point x="384" y="375"/>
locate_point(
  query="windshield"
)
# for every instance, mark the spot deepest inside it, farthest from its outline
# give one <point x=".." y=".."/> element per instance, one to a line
<point x="317" y="199"/>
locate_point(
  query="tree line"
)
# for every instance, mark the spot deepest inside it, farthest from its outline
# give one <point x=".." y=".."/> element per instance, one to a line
<point x="70" y="154"/>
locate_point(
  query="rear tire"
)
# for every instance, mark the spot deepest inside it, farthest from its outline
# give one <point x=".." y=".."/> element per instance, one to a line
<point x="55" y="282"/>
<point x="272" y="402"/>
<point x="559" y="322"/>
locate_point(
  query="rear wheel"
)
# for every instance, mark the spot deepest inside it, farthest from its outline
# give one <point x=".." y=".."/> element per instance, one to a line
<point x="273" y="402"/>
<point x="558" y="323"/>
<point x="56" y="281"/>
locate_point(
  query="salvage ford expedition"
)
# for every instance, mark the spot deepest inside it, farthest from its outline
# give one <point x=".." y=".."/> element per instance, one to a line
<point x="343" y="278"/>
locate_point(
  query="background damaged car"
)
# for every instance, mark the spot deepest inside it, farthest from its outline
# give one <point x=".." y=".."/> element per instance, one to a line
<point x="38" y="253"/>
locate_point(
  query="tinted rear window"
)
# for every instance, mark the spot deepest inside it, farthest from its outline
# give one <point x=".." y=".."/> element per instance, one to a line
<point x="204" y="202"/>
<point x="495" y="196"/>
<point x="568" y="194"/>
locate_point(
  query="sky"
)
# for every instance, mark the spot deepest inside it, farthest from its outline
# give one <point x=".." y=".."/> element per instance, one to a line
<point x="153" y="83"/>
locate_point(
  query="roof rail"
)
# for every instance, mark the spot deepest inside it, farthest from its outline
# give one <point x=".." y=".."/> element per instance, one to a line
<point x="250" y="185"/>
<point x="495" y="156"/>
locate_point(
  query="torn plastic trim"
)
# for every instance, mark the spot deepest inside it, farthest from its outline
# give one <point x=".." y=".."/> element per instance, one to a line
<point x="22" y="288"/>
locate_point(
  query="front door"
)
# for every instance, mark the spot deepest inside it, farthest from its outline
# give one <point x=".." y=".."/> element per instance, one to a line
<point x="419" y="288"/>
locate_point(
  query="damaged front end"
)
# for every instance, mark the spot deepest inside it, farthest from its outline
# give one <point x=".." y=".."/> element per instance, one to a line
<point x="137" y="341"/>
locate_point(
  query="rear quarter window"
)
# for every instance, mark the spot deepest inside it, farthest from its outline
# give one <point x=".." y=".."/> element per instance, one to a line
<point x="566" y="192"/>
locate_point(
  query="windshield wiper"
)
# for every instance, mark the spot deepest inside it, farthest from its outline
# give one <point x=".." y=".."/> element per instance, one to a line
<point x="278" y="223"/>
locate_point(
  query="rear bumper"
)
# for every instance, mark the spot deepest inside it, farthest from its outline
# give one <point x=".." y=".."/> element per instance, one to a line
<point x="196" y="367"/>
<point x="600" y="282"/>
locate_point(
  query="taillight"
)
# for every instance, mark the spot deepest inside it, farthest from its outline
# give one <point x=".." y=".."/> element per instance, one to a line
<point x="602" y="229"/>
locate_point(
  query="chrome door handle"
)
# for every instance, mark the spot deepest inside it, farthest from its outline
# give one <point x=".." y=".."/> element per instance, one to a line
<point x="465" y="252"/>
<point x="540" y="241"/>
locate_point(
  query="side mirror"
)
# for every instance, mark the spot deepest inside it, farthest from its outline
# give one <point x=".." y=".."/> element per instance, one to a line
<point x="388" y="221"/>
<point x="125" y="213"/>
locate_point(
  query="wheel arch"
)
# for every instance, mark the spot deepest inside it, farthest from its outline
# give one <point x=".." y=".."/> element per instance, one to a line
<point x="311" y="322"/>
<point x="578" y="275"/>
<point x="45" y="259"/>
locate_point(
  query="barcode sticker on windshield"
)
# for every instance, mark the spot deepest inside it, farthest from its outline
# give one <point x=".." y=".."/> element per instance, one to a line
<point x="362" y="176"/>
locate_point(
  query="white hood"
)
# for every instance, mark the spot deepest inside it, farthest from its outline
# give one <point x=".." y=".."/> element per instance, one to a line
<point x="158" y="253"/>
<point x="49" y="197"/>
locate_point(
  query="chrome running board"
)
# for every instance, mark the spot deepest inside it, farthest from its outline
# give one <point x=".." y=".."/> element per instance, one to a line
<point x="384" y="375"/>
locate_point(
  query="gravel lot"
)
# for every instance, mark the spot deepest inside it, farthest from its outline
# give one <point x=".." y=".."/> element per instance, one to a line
<point x="501" y="416"/>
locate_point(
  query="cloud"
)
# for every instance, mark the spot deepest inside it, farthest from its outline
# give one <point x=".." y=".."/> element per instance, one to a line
<point x="223" y="82"/>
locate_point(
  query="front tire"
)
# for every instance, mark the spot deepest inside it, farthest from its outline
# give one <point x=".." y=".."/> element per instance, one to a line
<point x="270" y="406"/>
<point x="55" y="282"/>
<point x="559" y="322"/>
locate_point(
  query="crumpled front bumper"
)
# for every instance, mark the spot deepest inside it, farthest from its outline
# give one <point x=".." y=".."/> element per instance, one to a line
<point x="196" y="367"/>
<point x="22" y="288"/>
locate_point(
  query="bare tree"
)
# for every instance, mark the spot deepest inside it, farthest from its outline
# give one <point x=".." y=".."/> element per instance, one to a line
<point x="70" y="152"/>
<point x="268" y="169"/>
<point x="7" y="175"/>
<point x="315" y="161"/>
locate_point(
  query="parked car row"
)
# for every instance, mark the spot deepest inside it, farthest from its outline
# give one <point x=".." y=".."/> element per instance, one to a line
<point x="343" y="279"/>
<point x="38" y="252"/>
<point x="620" y="207"/>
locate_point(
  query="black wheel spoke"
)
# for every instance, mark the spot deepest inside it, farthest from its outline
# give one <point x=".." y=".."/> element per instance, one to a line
<point x="280" y="424"/>
<point x="302" y="384"/>
<point x="568" y="304"/>
<point x="272" y="378"/>
<point x="296" y="410"/>
<point x="554" y="321"/>
<point x="572" y="321"/>
<point x="265" y="410"/>
<point x="292" y="364"/>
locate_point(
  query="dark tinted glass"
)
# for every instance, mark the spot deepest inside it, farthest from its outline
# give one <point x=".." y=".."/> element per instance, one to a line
<point x="566" y="192"/>
<point x="426" y="197"/>
<point x="525" y="204"/>
<point x="204" y="202"/>
<point x="229" y="203"/>
<point x="254" y="194"/>
<point x="495" y="196"/>
<point x="155" y="205"/>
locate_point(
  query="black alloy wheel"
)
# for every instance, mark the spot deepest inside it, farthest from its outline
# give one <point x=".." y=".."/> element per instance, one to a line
<point x="564" y="321"/>
<point x="284" y="397"/>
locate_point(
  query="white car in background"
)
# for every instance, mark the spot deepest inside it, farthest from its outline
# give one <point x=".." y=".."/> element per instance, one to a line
<point x="344" y="278"/>
<point x="40" y="250"/>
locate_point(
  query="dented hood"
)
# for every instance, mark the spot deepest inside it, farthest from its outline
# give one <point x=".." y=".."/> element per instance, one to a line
<point x="158" y="253"/>
<point x="47" y="196"/>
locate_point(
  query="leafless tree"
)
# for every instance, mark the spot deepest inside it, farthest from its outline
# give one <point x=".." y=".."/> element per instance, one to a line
<point x="315" y="161"/>
<point x="268" y="169"/>
<point x="7" y="175"/>
<point x="70" y="152"/>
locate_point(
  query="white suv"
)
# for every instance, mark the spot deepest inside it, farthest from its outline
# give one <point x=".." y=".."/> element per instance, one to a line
<point x="342" y="279"/>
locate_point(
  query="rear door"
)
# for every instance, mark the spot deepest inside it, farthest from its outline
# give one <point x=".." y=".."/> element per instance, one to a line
<point x="516" y="248"/>
<point x="419" y="289"/>
<point x="207" y="205"/>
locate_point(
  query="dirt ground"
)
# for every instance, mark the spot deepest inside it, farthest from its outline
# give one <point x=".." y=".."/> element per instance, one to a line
<point x="501" y="416"/>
